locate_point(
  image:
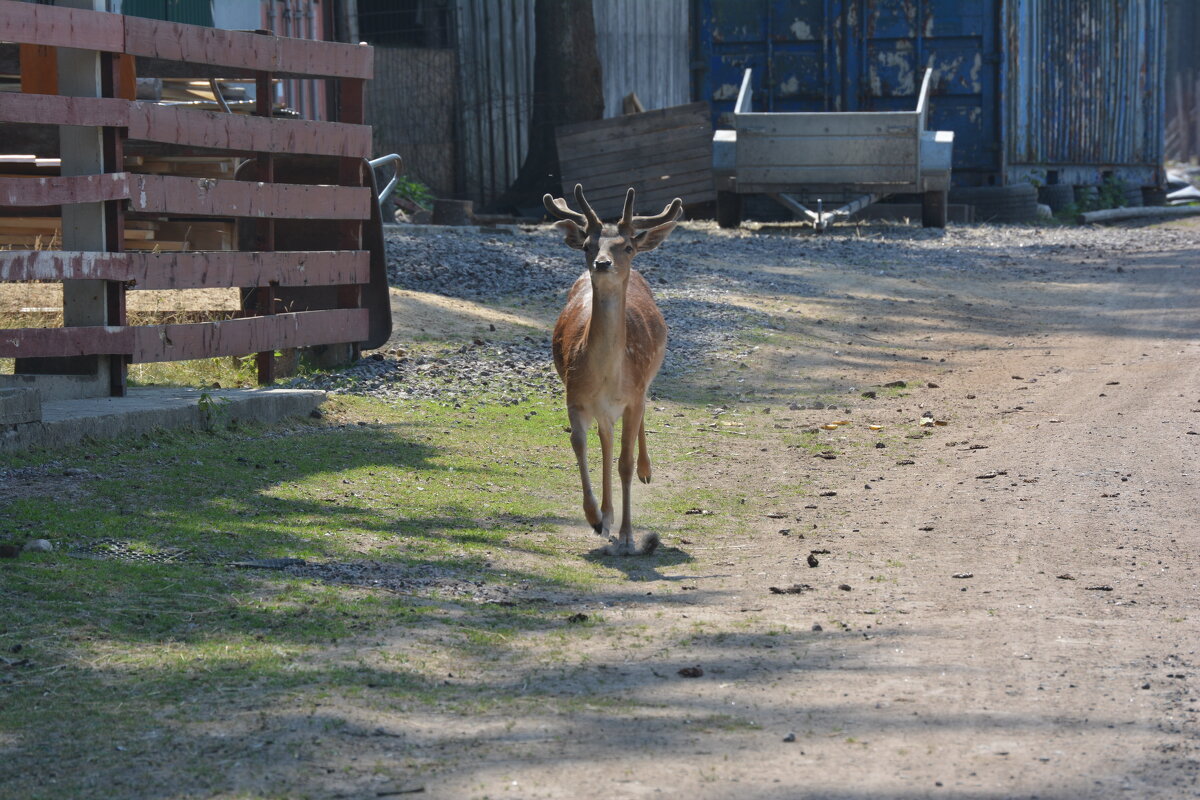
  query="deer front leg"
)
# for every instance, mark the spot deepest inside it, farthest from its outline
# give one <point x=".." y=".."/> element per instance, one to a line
<point x="604" y="427"/>
<point x="631" y="431"/>
<point x="579" y="431"/>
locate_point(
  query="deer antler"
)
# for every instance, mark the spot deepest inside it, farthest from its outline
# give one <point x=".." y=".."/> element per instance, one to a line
<point x="629" y="224"/>
<point x="558" y="208"/>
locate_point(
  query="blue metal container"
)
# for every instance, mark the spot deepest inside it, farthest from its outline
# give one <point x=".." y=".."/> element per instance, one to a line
<point x="1044" y="90"/>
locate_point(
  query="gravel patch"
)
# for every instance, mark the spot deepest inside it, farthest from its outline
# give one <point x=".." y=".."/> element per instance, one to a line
<point x="699" y="276"/>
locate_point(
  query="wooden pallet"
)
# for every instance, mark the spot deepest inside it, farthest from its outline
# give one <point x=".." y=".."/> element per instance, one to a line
<point x="662" y="154"/>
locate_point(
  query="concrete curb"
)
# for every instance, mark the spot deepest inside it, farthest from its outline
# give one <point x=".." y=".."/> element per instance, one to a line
<point x="68" y="422"/>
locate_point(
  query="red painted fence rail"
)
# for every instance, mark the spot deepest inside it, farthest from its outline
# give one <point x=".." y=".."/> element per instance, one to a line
<point x="341" y="270"/>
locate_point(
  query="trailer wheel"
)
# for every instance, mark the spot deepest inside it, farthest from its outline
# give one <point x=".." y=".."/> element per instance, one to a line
<point x="729" y="209"/>
<point x="933" y="209"/>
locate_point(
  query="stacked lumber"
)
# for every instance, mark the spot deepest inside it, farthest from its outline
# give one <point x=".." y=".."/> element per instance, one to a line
<point x="663" y="154"/>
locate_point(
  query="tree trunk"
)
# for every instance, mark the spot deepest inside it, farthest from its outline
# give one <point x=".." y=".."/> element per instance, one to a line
<point x="566" y="88"/>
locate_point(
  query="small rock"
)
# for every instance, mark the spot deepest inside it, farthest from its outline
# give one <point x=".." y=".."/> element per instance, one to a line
<point x="791" y="737"/>
<point x="933" y="386"/>
<point x="869" y="395"/>
<point x="691" y="672"/>
<point x="817" y="627"/>
<point x="1066" y="576"/>
<point x="963" y="575"/>
<point x="38" y="546"/>
<point x="896" y="385"/>
<point x="575" y="619"/>
<point x="812" y="560"/>
<point x="9" y="551"/>
<point x="845" y="587"/>
<point x="316" y="413"/>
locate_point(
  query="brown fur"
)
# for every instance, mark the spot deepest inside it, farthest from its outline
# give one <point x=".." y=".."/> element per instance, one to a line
<point x="608" y="344"/>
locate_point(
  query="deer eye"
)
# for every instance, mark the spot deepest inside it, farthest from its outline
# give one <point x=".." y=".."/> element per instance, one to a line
<point x="628" y="248"/>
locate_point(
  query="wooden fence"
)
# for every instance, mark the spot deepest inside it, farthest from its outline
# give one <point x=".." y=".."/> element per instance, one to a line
<point x="93" y="246"/>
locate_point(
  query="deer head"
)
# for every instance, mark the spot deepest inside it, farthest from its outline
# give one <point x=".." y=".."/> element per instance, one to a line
<point x="609" y="257"/>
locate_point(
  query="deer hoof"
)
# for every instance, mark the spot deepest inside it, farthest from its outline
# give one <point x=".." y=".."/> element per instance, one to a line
<point x="598" y="528"/>
<point x="620" y="547"/>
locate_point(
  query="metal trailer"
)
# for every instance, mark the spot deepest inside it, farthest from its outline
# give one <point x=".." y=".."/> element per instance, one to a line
<point x="1036" y="91"/>
<point x="848" y="159"/>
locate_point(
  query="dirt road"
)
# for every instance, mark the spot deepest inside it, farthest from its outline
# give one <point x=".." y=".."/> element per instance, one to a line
<point x="1018" y="607"/>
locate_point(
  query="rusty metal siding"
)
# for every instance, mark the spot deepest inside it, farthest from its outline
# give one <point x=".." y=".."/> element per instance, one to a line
<point x="1085" y="82"/>
<point x="495" y="62"/>
<point x="859" y="55"/>
<point x="643" y="48"/>
<point x="1026" y="85"/>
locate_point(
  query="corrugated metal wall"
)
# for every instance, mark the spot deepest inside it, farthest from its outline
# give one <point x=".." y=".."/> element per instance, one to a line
<point x="644" y="49"/>
<point x="1085" y="82"/>
<point x="495" y="52"/>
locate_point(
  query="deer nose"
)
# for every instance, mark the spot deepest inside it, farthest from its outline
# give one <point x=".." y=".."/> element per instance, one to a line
<point x="603" y="265"/>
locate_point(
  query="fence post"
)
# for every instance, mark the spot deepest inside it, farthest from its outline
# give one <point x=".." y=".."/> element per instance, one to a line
<point x="84" y="227"/>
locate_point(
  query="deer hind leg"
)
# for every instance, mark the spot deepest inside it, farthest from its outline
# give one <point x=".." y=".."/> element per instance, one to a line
<point x="643" y="460"/>
<point x="579" y="432"/>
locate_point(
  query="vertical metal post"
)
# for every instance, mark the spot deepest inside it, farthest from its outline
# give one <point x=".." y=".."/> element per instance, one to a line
<point x="114" y="222"/>
<point x="265" y="228"/>
<point x="351" y="108"/>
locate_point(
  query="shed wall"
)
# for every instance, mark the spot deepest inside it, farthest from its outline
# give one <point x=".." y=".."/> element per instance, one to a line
<point x="1085" y="84"/>
<point x="643" y="48"/>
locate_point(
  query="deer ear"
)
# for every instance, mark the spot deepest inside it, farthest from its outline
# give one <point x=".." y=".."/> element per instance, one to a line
<point x="652" y="238"/>
<point x="573" y="235"/>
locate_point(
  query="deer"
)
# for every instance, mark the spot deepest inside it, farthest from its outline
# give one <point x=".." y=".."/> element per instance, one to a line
<point x="608" y="344"/>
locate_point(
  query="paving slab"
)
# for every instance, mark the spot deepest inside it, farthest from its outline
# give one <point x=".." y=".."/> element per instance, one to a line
<point x="146" y="409"/>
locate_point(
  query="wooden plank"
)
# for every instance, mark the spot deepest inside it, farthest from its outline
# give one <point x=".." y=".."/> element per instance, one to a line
<point x="27" y="23"/>
<point x="636" y="124"/>
<point x="205" y="196"/>
<point x="39" y="68"/>
<point x="186" y="341"/>
<point x="609" y="202"/>
<point x="615" y="162"/>
<point x="185" y="126"/>
<point x="593" y="179"/>
<point x="210" y="270"/>
<point x="235" y="337"/>
<point x="63" y="190"/>
<point x="156" y="123"/>
<point x="174" y="41"/>
<point x="663" y="142"/>
<point x="65" y="342"/>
